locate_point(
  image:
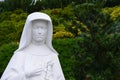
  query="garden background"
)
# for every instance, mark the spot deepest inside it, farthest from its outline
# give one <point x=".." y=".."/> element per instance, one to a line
<point x="86" y="34"/>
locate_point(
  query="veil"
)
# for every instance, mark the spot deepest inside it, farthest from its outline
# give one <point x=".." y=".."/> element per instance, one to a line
<point x="15" y="66"/>
<point x="26" y="34"/>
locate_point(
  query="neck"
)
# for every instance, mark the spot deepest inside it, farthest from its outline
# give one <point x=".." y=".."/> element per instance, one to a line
<point x="41" y="50"/>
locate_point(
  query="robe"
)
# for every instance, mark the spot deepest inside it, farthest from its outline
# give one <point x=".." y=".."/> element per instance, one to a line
<point x="26" y="63"/>
<point x="21" y="64"/>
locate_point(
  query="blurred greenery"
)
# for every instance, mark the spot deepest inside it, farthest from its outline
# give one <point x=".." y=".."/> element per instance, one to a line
<point x="98" y="59"/>
<point x="6" y="52"/>
<point x="63" y="34"/>
<point x="86" y="35"/>
<point x="11" y="25"/>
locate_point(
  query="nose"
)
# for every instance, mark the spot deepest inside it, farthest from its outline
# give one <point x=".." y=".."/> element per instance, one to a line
<point x="40" y="31"/>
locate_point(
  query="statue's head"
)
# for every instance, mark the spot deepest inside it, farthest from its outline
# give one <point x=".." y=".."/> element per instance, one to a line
<point x="38" y="27"/>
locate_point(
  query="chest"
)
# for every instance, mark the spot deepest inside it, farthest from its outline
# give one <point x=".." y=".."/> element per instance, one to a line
<point x="35" y="61"/>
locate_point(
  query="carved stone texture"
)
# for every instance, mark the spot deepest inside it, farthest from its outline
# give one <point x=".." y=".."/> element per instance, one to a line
<point x="35" y="58"/>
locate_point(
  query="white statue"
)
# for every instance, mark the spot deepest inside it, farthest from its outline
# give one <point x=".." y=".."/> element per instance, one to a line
<point x="35" y="59"/>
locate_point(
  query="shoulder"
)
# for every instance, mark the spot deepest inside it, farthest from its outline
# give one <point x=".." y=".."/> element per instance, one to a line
<point x="54" y="54"/>
<point x="17" y="59"/>
<point x="19" y="55"/>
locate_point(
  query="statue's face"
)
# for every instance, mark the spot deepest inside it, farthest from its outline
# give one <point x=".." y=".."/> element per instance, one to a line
<point x="39" y="30"/>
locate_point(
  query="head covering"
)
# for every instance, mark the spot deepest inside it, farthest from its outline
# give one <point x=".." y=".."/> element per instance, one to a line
<point x="26" y="34"/>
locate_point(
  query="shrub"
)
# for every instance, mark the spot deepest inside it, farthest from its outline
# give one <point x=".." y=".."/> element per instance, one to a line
<point x="6" y="29"/>
<point x="67" y="49"/>
<point x="63" y="34"/>
<point x="55" y="15"/>
<point x="1" y="7"/>
<point x="67" y="12"/>
<point x="111" y="3"/>
<point x="58" y="28"/>
<point x="5" y="16"/>
<point x="113" y="11"/>
<point x="11" y="25"/>
<point x="99" y="59"/>
<point x="6" y="52"/>
<point x="75" y="27"/>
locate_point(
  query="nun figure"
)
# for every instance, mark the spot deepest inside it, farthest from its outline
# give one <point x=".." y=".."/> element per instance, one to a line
<point x="35" y="59"/>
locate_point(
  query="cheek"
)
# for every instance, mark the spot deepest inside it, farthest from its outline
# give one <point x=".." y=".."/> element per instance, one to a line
<point x="34" y="32"/>
<point x="45" y="32"/>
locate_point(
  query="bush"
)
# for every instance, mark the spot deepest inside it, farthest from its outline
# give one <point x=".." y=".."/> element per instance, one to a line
<point x="67" y="12"/>
<point x="1" y="7"/>
<point x="67" y="49"/>
<point x="98" y="61"/>
<point x="6" y="52"/>
<point x="6" y="29"/>
<point x="61" y="16"/>
<point x="55" y="15"/>
<point x="11" y="25"/>
<point x="113" y="11"/>
<point x="63" y="34"/>
<point x="111" y="3"/>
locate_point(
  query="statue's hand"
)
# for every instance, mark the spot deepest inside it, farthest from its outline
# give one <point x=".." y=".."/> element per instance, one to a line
<point x="34" y="72"/>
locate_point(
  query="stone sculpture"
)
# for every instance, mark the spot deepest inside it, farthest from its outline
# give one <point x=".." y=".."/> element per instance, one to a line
<point x="35" y="59"/>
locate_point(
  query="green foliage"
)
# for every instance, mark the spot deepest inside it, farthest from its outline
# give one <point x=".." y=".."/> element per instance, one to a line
<point x="6" y="52"/>
<point x="6" y="29"/>
<point x="11" y="5"/>
<point x="99" y="58"/>
<point x="11" y="25"/>
<point x="33" y="6"/>
<point x="63" y="34"/>
<point x="113" y="11"/>
<point x="4" y="16"/>
<point x="111" y="3"/>
<point x="71" y="21"/>
<point x="39" y="5"/>
<point x="59" y="27"/>
<point x="55" y="15"/>
<point x="67" y="48"/>
<point x="67" y="12"/>
<point x="1" y="7"/>
<point x="75" y="27"/>
<point x="61" y="17"/>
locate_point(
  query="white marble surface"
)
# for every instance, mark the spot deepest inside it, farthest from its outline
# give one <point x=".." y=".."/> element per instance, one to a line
<point x="35" y="59"/>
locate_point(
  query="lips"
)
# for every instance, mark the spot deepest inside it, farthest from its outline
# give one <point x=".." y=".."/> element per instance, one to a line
<point x="39" y="36"/>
